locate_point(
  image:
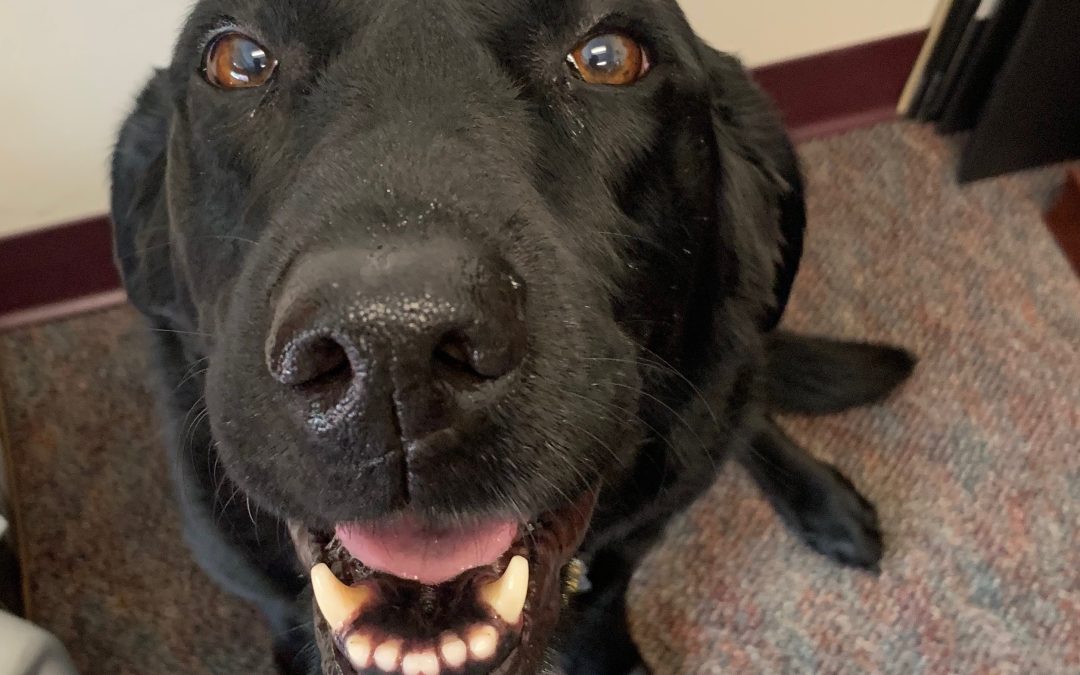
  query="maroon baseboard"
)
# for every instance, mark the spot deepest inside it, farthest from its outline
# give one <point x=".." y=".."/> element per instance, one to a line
<point x="69" y="268"/>
<point x="55" y="266"/>
<point x="840" y="90"/>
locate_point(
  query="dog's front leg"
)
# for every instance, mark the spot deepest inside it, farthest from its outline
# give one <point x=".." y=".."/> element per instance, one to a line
<point x="669" y="475"/>
<point x="815" y="500"/>
<point x="599" y="642"/>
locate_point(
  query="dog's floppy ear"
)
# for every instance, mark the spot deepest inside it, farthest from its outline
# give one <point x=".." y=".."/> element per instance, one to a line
<point x="139" y="213"/>
<point x="745" y="118"/>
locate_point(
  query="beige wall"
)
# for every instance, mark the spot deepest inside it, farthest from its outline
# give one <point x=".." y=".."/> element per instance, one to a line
<point x="67" y="76"/>
<point x="71" y="67"/>
<point x="765" y="31"/>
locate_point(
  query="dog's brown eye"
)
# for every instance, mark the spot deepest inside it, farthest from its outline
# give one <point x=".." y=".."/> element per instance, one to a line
<point x="235" y="61"/>
<point x="612" y="58"/>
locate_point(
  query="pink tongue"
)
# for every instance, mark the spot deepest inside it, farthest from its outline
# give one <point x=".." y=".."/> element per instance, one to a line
<point x="409" y="550"/>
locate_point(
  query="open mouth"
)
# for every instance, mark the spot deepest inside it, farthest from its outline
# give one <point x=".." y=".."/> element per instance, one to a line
<point x="402" y="597"/>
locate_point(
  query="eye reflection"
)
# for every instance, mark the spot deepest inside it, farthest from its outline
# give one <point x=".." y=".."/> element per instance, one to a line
<point x="600" y="56"/>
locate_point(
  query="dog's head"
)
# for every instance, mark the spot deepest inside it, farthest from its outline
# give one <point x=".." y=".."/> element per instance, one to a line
<point x="435" y="254"/>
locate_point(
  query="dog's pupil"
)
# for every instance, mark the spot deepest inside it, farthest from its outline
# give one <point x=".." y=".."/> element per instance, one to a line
<point x="606" y="53"/>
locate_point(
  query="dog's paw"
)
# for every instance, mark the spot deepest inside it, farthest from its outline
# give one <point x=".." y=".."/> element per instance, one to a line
<point x="844" y="527"/>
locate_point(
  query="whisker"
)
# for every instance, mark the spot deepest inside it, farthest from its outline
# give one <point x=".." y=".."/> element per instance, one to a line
<point x="225" y="506"/>
<point x="157" y="247"/>
<point x="614" y="455"/>
<point x="664" y="367"/>
<point x="251" y="515"/>
<point x="169" y="331"/>
<point x="674" y="413"/>
<point x="635" y="237"/>
<point x="653" y="355"/>
<point x="192" y="366"/>
<point x="636" y="417"/>
<point x="218" y="482"/>
<point x="197" y="409"/>
<point x="190" y="376"/>
<point x="192" y="427"/>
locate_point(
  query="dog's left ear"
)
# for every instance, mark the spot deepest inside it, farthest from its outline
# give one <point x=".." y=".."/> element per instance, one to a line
<point x="139" y="212"/>
<point x="748" y="126"/>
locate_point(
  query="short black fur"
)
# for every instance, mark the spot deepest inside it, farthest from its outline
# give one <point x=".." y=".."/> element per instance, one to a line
<point x="657" y="227"/>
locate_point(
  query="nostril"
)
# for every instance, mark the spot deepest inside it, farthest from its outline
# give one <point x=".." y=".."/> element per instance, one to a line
<point x="453" y="351"/>
<point x="316" y="363"/>
<point x="327" y="362"/>
<point x="453" y="362"/>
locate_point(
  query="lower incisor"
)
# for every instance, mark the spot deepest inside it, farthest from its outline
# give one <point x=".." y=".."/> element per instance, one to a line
<point x="420" y="663"/>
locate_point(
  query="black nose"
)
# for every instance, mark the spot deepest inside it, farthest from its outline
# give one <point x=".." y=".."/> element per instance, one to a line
<point x="426" y="333"/>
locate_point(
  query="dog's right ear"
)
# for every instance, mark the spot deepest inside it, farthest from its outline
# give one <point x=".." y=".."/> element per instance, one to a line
<point x="139" y="213"/>
<point x="759" y="135"/>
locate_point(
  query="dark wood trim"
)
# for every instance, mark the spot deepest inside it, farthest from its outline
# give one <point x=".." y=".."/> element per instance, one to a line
<point x="840" y="90"/>
<point x="69" y="268"/>
<point x="1063" y="219"/>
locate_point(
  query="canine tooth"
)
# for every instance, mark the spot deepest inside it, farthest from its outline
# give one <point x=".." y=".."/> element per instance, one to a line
<point x="453" y="649"/>
<point x="358" y="647"/>
<point x="507" y="595"/>
<point x="386" y="655"/>
<point x="338" y="603"/>
<point x="420" y="663"/>
<point x="482" y="642"/>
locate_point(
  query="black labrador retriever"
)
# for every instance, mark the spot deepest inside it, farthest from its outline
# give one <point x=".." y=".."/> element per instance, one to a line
<point x="455" y="303"/>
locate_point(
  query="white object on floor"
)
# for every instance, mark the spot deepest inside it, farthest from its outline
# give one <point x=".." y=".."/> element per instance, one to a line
<point x="29" y="650"/>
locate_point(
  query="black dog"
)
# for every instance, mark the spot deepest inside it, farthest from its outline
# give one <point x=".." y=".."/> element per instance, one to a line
<point x="454" y="300"/>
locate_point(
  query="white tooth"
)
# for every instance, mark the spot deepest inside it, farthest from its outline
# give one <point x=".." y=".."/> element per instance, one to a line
<point x="507" y="594"/>
<point x="338" y="603"/>
<point x="420" y="663"/>
<point x="358" y="647"/>
<point x="386" y="656"/>
<point x="453" y="649"/>
<point x="482" y="642"/>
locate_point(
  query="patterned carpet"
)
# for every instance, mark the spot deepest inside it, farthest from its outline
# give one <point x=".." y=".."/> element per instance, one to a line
<point x="975" y="466"/>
